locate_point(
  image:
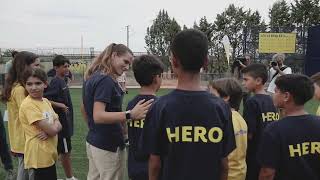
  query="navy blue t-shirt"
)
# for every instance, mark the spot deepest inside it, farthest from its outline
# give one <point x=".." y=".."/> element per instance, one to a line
<point x="58" y="91"/>
<point x="137" y="160"/>
<point x="192" y="132"/>
<point x="102" y="88"/>
<point x="258" y="112"/>
<point x="291" y="146"/>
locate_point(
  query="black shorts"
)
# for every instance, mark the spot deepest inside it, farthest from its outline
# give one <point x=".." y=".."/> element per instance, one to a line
<point x="49" y="173"/>
<point x="64" y="145"/>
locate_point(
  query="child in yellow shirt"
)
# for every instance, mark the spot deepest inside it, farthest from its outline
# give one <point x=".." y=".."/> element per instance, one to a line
<point x="230" y="91"/>
<point x="316" y="83"/>
<point x="41" y="126"/>
<point x="13" y="94"/>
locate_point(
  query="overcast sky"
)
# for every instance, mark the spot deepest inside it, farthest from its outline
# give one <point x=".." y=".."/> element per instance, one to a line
<point x="61" y="23"/>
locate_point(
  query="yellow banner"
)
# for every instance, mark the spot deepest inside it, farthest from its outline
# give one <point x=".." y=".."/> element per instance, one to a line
<point x="277" y="42"/>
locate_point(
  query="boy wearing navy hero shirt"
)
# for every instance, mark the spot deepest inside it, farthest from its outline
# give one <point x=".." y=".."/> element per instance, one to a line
<point x="188" y="133"/>
<point x="59" y="96"/>
<point x="290" y="148"/>
<point x="258" y="112"/>
<point x="147" y="71"/>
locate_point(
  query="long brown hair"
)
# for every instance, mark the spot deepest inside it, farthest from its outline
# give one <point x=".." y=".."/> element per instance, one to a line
<point x="20" y="62"/>
<point x="103" y="61"/>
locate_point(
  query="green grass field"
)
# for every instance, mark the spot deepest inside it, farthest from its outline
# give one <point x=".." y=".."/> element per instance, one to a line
<point x="79" y="157"/>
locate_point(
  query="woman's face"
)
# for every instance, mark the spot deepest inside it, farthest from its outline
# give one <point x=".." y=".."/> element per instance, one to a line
<point x="35" y="64"/>
<point x="121" y="63"/>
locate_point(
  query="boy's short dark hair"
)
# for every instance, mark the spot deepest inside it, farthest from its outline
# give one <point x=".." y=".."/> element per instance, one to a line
<point x="256" y="71"/>
<point x="229" y="87"/>
<point x="316" y="78"/>
<point x="60" y="60"/>
<point x="190" y="48"/>
<point x="145" y="68"/>
<point x="299" y="86"/>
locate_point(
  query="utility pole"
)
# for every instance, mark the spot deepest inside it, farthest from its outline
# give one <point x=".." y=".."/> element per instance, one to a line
<point x="128" y="26"/>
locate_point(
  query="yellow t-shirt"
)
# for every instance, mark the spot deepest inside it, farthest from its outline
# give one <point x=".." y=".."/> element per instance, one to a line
<point x="16" y="135"/>
<point x="318" y="111"/>
<point x="237" y="158"/>
<point x="37" y="153"/>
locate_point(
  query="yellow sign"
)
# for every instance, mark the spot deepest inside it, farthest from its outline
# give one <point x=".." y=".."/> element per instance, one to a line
<point x="277" y="42"/>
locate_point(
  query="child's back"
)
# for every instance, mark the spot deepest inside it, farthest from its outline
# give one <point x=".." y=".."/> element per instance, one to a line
<point x="298" y="147"/>
<point x="137" y="160"/>
<point x="196" y="131"/>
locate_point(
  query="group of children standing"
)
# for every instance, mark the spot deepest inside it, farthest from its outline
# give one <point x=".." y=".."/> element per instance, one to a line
<point x="188" y="134"/>
<point x="39" y="128"/>
<point x="191" y="134"/>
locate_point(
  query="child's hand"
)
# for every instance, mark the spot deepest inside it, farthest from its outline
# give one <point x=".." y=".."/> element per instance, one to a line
<point x="141" y="109"/>
<point x="64" y="107"/>
<point x="42" y="136"/>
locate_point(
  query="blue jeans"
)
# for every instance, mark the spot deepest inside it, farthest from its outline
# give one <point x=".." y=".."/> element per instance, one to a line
<point x="4" y="150"/>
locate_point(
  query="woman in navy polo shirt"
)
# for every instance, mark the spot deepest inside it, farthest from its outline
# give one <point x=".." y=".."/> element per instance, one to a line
<point x="102" y="105"/>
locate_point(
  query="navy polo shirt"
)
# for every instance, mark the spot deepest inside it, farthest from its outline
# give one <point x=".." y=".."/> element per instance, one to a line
<point x="137" y="159"/>
<point x="102" y="88"/>
<point x="192" y="132"/>
<point x="58" y="91"/>
<point x="291" y="146"/>
<point x="258" y="112"/>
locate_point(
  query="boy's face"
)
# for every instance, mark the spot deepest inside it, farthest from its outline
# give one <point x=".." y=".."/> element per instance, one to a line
<point x="316" y="91"/>
<point x="279" y="98"/>
<point x="35" y="87"/>
<point x="62" y="70"/>
<point x="250" y="82"/>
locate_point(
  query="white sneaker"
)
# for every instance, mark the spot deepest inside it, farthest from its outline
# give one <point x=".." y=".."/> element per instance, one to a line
<point x="72" y="178"/>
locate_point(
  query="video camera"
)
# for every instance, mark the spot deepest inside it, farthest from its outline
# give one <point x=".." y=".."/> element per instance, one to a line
<point x="273" y="63"/>
<point x="240" y="59"/>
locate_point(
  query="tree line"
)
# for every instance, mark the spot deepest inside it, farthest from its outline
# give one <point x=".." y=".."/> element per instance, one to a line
<point x="241" y="25"/>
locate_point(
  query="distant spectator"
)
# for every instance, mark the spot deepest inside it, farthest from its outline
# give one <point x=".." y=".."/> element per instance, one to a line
<point x="8" y="64"/>
<point x="277" y="69"/>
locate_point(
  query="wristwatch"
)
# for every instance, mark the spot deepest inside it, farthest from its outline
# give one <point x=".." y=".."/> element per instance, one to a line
<point x="128" y="115"/>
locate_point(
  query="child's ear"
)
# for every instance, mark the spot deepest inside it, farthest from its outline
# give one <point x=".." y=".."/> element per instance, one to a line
<point x="205" y="63"/>
<point x="45" y="84"/>
<point x="226" y="98"/>
<point x="175" y="62"/>
<point x="259" y="80"/>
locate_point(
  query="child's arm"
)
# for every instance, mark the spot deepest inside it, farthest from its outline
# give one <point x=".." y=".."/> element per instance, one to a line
<point x="50" y="129"/>
<point x="60" y="105"/>
<point x="154" y="167"/>
<point x="84" y="113"/>
<point x="224" y="169"/>
<point x="267" y="173"/>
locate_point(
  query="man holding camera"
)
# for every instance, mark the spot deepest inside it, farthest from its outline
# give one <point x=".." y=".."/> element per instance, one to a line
<point x="277" y="69"/>
<point x="239" y="64"/>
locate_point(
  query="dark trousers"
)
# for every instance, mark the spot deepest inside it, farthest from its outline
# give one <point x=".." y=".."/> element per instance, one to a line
<point x="139" y="177"/>
<point x="4" y="150"/>
<point x="49" y="173"/>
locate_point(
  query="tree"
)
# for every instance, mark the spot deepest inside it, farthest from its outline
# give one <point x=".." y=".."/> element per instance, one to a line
<point x="160" y="34"/>
<point x="207" y="28"/>
<point x="305" y="13"/>
<point x="280" y="18"/>
<point x="253" y="26"/>
<point x="231" y="23"/>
